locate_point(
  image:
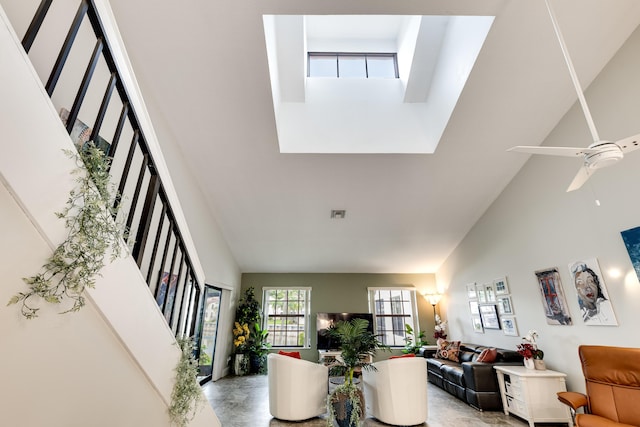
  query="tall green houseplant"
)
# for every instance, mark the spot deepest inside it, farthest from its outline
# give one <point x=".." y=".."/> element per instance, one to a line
<point x="358" y="345"/>
<point x="249" y="337"/>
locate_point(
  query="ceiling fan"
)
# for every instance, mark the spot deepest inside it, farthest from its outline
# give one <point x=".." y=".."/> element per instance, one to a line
<point x="600" y="153"/>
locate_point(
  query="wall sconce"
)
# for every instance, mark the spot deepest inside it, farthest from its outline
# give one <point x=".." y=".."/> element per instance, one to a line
<point x="433" y="299"/>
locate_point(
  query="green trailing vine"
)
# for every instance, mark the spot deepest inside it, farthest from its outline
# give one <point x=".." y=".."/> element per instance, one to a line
<point x="338" y="402"/>
<point x="186" y="396"/>
<point x="89" y="216"/>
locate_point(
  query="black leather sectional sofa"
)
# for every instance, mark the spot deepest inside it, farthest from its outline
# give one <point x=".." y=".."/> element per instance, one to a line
<point x="473" y="382"/>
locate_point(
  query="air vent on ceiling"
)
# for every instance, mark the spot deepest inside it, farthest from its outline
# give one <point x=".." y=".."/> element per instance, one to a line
<point x="338" y="213"/>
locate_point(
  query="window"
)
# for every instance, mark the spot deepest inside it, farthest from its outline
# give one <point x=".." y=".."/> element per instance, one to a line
<point x="354" y="65"/>
<point x="392" y="308"/>
<point x="286" y="316"/>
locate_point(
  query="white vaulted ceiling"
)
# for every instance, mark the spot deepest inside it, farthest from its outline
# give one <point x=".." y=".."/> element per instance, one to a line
<point x="203" y="69"/>
<point x="407" y="115"/>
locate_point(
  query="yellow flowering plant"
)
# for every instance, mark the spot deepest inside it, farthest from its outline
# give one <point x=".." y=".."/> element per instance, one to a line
<point x="240" y="337"/>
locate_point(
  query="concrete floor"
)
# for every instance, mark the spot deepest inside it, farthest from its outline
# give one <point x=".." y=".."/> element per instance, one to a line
<point x="244" y="401"/>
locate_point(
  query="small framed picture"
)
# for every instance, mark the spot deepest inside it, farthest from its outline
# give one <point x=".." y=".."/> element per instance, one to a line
<point x="471" y="291"/>
<point x="489" y="316"/>
<point x="509" y="326"/>
<point x="505" y="306"/>
<point x="490" y="292"/>
<point x="482" y="297"/>
<point x="475" y="309"/>
<point x="477" y="324"/>
<point x="501" y="286"/>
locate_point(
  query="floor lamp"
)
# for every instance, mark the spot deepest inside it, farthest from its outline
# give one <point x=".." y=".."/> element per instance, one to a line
<point x="433" y="299"/>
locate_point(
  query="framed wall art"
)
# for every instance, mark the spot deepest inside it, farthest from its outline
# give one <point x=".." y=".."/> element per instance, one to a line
<point x="489" y="316"/>
<point x="504" y="305"/>
<point x="471" y="291"/>
<point x="490" y="292"/>
<point x="474" y="308"/>
<point x="482" y="297"/>
<point x="593" y="298"/>
<point x="553" y="300"/>
<point x="477" y="324"/>
<point x="167" y="291"/>
<point x="631" y="240"/>
<point x="501" y="286"/>
<point x="81" y="133"/>
<point x="509" y="326"/>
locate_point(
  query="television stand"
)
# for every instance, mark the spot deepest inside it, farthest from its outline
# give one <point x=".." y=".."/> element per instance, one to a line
<point x="329" y="357"/>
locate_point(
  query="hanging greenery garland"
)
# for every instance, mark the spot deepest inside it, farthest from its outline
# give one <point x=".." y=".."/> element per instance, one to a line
<point x="186" y="396"/>
<point x="90" y="216"/>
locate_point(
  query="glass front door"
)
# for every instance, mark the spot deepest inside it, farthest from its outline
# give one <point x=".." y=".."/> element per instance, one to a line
<point x="209" y="328"/>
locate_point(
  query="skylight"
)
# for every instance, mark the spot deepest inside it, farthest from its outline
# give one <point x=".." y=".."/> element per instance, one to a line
<point x="352" y="65"/>
<point x="435" y="55"/>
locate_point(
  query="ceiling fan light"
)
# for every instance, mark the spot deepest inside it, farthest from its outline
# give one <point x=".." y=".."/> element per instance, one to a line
<point x="604" y="158"/>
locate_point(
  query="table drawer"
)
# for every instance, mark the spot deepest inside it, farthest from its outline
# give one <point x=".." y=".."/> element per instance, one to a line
<point x="516" y="406"/>
<point x="515" y="381"/>
<point x="513" y="390"/>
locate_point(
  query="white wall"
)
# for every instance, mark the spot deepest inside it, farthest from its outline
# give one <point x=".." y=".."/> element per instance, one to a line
<point x="110" y="364"/>
<point x="534" y="224"/>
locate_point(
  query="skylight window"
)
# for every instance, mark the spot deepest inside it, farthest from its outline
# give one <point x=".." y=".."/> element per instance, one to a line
<point x="333" y="91"/>
<point x="353" y="65"/>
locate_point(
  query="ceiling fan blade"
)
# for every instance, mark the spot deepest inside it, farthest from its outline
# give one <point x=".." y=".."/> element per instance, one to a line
<point x="581" y="177"/>
<point x="629" y="144"/>
<point x="552" y="151"/>
<point x="573" y="74"/>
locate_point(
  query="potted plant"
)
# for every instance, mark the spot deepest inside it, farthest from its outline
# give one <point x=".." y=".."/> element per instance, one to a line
<point x="258" y="349"/>
<point x="357" y="345"/>
<point x="240" y="345"/>
<point x="410" y="346"/>
<point x="533" y="356"/>
<point x="248" y="315"/>
<point x="248" y="310"/>
<point x="440" y="330"/>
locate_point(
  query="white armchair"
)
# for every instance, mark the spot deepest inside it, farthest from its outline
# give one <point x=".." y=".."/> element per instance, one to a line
<point x="297" y="388"/>
<point x="396" y="392"/>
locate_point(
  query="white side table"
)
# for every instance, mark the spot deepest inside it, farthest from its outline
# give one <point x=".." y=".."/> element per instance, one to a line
<point x="531" y="394"/>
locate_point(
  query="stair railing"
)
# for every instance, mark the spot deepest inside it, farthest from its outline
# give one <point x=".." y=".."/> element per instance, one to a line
<point x="159" y="249"/>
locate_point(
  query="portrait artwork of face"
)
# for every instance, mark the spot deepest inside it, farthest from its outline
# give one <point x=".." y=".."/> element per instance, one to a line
<point x="593" y="300"/>
<point x="587" y="285"/>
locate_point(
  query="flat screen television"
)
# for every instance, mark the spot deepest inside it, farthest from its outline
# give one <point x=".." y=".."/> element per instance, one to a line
<point x="326" y="320"/>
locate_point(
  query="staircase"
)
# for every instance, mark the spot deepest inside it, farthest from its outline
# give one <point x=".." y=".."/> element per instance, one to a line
<point x="111" y="364"/>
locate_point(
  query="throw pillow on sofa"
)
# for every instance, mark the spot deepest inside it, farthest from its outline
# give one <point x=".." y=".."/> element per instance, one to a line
<point x="403" y="356"/>
<point x="294" y="354"/>
<point x="448" y="350"/>
<point x="488" y="355"/>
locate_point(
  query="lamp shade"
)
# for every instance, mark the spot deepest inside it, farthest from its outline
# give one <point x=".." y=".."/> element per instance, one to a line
<point x="433" y="298"/>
